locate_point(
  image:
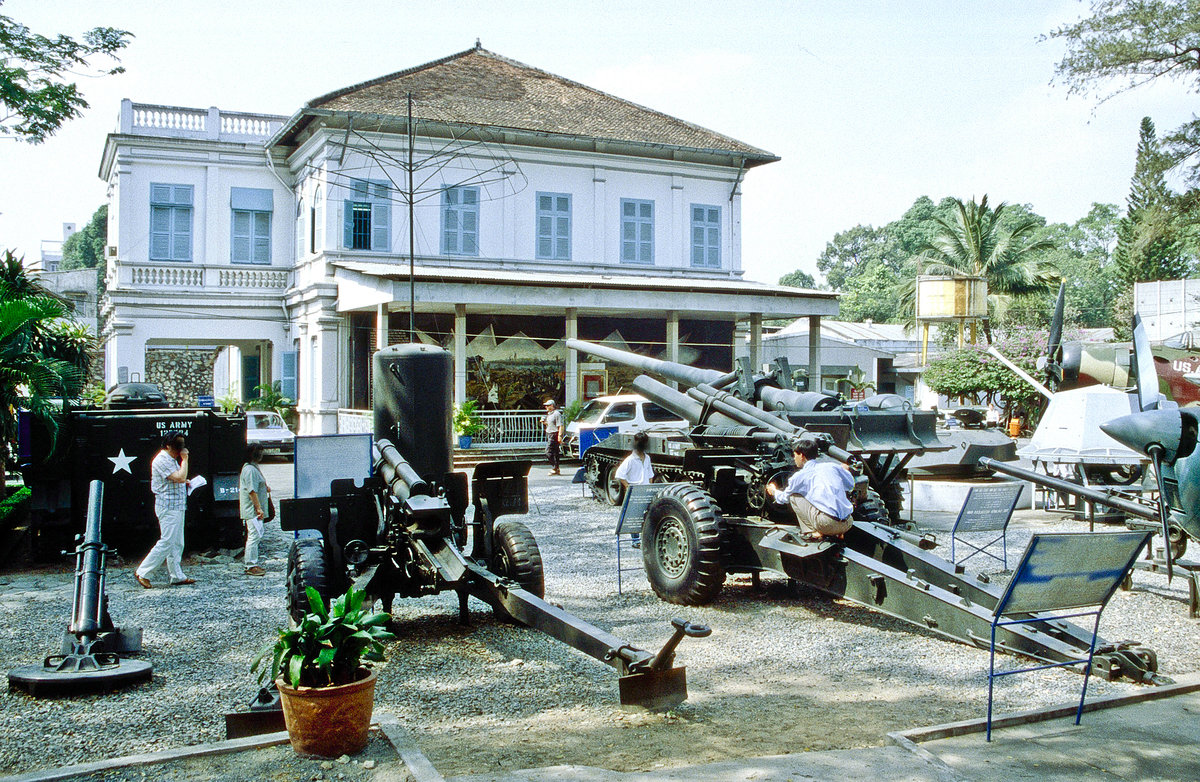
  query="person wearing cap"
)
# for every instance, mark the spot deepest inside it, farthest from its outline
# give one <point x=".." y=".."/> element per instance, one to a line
<point x="168" y="481"/>
<point x="817" y="492"/>
<point x="554" y="432"/>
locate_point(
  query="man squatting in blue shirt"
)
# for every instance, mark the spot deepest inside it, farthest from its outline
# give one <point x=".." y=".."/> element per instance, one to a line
<point x="817" y="492"/>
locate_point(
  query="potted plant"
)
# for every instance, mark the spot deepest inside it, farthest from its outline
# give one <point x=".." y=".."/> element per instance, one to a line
<point x="326" y="690"/>
<point x="467" y="423"/>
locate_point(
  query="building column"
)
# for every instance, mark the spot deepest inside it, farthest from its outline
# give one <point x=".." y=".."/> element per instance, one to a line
<point x="381" y="326"/>
<point x="331" y="352"/>
<point x="124" y="355"/>
<point x="460" y="353"/>
<point x="673" y="341"/>
<point x="756" y="348"/>
<point x="571" y="379"/>
<point x="814" y="353"/>
<point x="599" y="210"/>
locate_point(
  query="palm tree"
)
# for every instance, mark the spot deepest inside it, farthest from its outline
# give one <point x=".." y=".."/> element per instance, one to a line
<point x="973" y="242"/>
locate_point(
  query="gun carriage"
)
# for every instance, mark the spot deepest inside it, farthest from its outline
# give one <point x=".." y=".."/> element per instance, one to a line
<point x="713" y="518"/>
<point x="404" y="531"/>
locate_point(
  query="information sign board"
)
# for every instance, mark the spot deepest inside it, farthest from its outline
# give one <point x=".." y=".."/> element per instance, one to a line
<point x="321" y="459"/>
<point x="1070" y="570"/>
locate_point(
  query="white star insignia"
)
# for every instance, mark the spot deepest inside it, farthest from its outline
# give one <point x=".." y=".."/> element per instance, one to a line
<point x="121" y="462"/>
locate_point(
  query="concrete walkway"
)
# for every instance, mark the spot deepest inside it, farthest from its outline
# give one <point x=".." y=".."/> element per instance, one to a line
<point x="1154" y="735"/>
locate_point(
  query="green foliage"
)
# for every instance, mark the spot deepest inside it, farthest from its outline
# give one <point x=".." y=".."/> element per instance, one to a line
<point x="230" y="403"/>
<point x="14" y="507"/>
<point x="84" y="249"/>
<point x="1149" y="243"/>
<point x="572" y="411"/>
<point x="34" y="92"/>
<point x="1126" y="44"/>
<point x="798" y="279"/>
<point x="327" y="647"/>
<point x="467" y="420"/>
<point x="974" y="373"/>
<point x="43" y="358"/>
<point x="864" y="294"/>
<point x="270" y="397"/>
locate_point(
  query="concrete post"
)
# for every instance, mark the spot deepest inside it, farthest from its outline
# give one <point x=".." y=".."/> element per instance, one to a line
<point x="460" y="353"/>
<point x="381" y="326"/>
<point x="814" y="353"/>
<point x="756" y="340"/>
<point x="571" y="378"/>
<point x="673" y="341"/>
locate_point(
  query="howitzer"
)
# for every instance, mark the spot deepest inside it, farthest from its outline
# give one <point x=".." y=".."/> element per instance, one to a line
<point x="92" y="645"/>
<point x="403" y="532"/>
<point x="882" y="434"/>
<point x="713" y="519"/>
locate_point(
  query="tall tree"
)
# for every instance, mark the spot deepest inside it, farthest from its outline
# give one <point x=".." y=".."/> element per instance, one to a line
<point x="84" y="249"/>
<point x="798" y="279"/>
<point x="1148" y="241"/>
<point x="37" y="94"/>
<point x="1125" y="44"/>
<point x="974" y="241"/>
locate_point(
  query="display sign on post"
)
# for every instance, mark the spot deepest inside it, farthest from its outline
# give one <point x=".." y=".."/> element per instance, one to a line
<point x="322" y="459"/>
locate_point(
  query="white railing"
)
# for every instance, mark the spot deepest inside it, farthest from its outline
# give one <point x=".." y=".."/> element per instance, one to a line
<point x="197" y="275"/>
<point x="510" y="429"/>
<point x="502" y="428"/>
<point x="355" y="421"/>
<point x="144" y="119"/>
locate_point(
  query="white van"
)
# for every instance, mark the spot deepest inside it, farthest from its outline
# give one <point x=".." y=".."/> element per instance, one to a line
<point x="628" y="413"/>
<point x="268" y="429"/>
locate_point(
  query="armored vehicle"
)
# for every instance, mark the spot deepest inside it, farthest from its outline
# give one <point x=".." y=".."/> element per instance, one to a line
<point x="116" y="448"/>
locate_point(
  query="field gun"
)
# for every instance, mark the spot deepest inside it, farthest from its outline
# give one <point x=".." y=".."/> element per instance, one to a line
<point x="712" y="519"/>
<point x="881" y="433"/>
<point x="403" y="531"/>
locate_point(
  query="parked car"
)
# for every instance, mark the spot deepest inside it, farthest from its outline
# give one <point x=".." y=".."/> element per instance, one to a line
<point x="268" y="428"/>
<point x="628" y="413"/>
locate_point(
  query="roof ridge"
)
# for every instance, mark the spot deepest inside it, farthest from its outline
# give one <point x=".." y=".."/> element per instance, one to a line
<point x="314" y="103"/>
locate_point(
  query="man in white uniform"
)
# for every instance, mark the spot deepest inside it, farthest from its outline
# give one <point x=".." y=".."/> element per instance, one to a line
<point x="168" y="481"/>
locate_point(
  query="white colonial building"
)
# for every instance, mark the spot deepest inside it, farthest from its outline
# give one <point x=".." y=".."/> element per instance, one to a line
<point x="497" y="206"/>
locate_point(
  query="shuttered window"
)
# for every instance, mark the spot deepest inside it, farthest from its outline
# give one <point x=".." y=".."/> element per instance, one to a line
<point x="460" y="221"/>
<point x="554" y="226"/>
<point x="637" y="231"/>
<point x="706" y="236"/>
<point x="250" y="240"/>
<point x="289" y="362"/>
<point x="170" y="222"/>
<point x="367" y="216"/>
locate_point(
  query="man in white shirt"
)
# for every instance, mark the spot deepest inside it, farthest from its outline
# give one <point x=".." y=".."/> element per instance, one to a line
<point x="817" y="492"/>
<point x="554" y="433"/>
<point x="636" y="470"/>
<point x="168" y="481"/>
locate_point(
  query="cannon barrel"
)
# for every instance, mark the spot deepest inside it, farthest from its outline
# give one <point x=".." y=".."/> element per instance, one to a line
<point x="785" y="400"/>
<point x="88" y="602"/>
<point x="677" y="402"/>
<point x="1086" y="492"/>
<point x="398" y="474"/>
<point x="680" y="373"/>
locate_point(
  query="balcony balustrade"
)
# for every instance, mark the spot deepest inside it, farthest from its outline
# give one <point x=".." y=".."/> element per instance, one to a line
<point x="213" y="124"/>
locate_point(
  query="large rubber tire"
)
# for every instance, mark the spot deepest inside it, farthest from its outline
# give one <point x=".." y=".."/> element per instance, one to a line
<point x="873" y="509"/>
<point x="681" y="546"/>
<point x="614" y="492"/>
<point x="307" y="567"/>
<point x="893" y="499"/>
<point x="518" y="557"/>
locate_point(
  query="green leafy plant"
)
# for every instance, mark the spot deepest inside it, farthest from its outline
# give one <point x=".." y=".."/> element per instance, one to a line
<point x="230" y="403"/>
<point x="572" y="411"/>
<point x="467" y="420"/>
<point x="270" y="397"/>
<point x="327" y="647"/>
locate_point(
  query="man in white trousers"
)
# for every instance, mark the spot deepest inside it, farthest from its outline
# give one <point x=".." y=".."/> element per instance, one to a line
<point x="168" y="481"/>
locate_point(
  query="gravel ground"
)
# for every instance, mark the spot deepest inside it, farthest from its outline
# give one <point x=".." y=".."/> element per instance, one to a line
<point x="785" y="670"/>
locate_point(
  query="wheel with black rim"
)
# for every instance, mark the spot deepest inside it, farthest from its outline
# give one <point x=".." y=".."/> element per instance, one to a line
<point x="614" y="492"/>
<point x="517" y="557"/>
<point x="681" y="546"/>
<point x="308" y="566"/>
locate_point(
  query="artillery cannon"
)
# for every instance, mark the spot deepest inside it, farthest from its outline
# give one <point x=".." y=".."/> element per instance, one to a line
<point x="881" y="434"/>
<point x="92" y="643"/>
<point x="713" y="520"/>
<point x="403" y="532"/>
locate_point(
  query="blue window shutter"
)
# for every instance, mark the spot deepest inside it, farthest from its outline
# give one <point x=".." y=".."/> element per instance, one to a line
<point x="240" y="240"/>
<point x="348" y="224"/>
<point x="287" y="373"/>
<point x="262" y="237"/>
<point x="160" y="233"/>
<point x="380" y="228"/>
<point x="706" y="236"/>
<point x="181" y="244"/>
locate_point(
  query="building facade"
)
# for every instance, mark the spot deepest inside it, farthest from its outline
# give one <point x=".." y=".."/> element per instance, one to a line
<point x="468" y="198"/>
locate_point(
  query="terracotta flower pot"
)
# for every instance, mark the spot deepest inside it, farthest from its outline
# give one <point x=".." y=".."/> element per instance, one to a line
<point x="329" y="721"/>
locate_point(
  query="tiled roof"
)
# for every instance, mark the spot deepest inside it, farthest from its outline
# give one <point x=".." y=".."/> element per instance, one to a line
<point x="479" y="87"/>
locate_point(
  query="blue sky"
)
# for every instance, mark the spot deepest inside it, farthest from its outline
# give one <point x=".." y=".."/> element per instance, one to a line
<point x="870" y="104"/>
